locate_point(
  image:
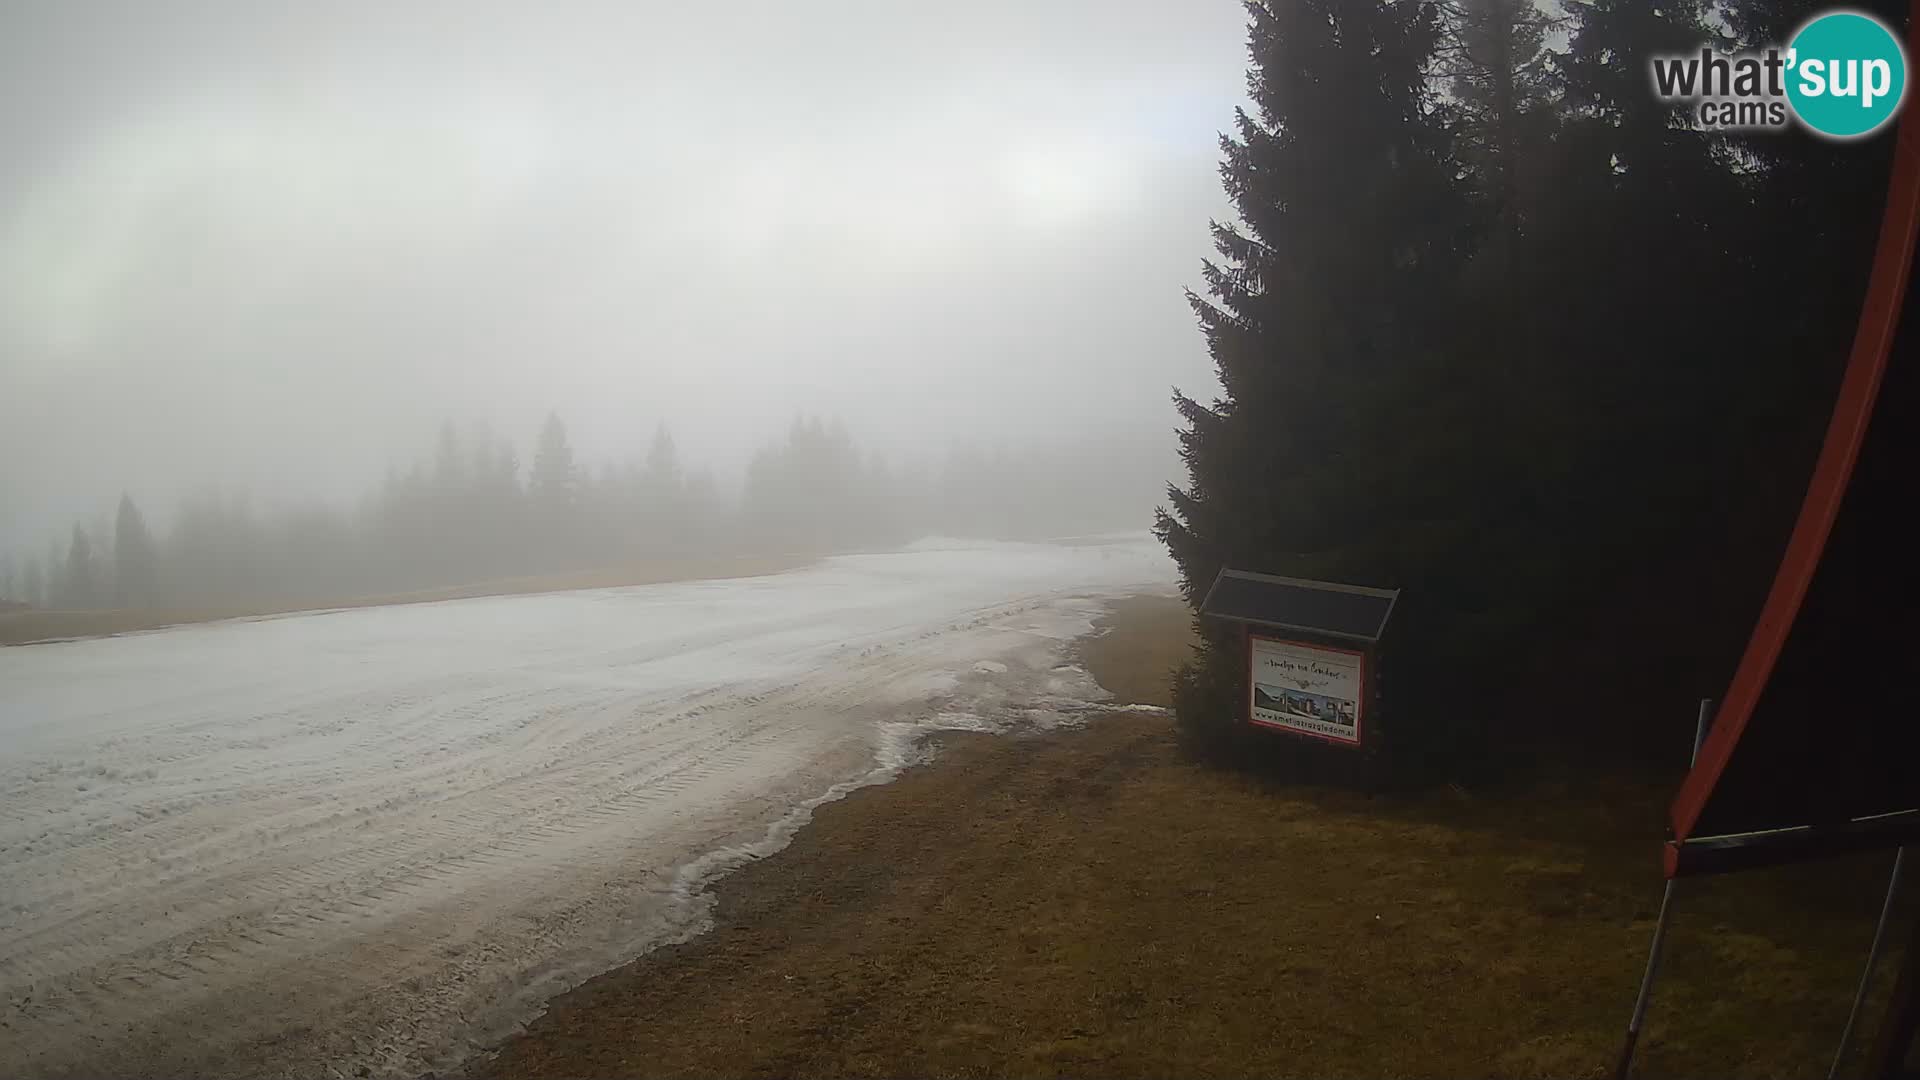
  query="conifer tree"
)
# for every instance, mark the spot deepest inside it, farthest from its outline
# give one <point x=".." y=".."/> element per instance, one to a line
<point x="1319" y="316"/>
<point x="662" y="477"/>
<point x="133" y="557"/>
<point x="554" y="487"/>
<point x="81" y="589"/>
<point x="554" y="475"/>
<point x="1501" y="78"/>
<point x="33" y="582"/>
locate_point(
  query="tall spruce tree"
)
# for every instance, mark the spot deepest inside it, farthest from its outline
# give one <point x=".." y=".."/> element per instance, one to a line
<point x="554" y="475"/>
<point x="1321" y="319"/>
<point x="554" y="485"/>
<point x="55" y="594"/>
<point x="661" y="479"/>
<point x="33" y="582"/>
<point x="133" y="557"/>
<point x="1686" y="420"/>
<point x="1500" y="75"/>
<point x="1573" y="403"/>
<point x="81" y="588"/>
<point x="1811" y="207"/>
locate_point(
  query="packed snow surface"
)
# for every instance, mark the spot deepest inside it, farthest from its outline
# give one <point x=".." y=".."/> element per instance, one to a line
<point x="378" y="839"/>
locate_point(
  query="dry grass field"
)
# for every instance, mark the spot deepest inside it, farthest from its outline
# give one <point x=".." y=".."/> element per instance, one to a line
<point x="1091" y="903"/>
<point x="23" y="625"/>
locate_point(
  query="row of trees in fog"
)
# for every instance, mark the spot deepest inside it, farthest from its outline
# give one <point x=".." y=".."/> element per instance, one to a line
<point x="475" y="511"/>
<point x="1498" y="326"/>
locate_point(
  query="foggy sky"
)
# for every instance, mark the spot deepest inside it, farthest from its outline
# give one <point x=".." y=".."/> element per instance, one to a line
<point x="275" y="245"/>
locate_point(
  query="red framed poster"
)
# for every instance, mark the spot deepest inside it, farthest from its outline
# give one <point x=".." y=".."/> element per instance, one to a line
<point x="1309" y="689"/>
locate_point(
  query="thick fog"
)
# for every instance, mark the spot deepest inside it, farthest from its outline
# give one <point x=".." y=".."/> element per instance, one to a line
<point x="293" y="251"/>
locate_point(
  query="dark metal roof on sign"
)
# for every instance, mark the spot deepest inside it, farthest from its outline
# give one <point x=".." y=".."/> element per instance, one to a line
<point x="1355" y="612"/>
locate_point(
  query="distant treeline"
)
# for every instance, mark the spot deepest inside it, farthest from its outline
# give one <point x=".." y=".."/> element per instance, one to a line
<point x="1501" y="328"/>
<point x="472" y="512"/>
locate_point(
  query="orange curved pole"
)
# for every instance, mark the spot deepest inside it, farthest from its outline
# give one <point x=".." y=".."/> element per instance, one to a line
<point x="1852" y="411"/>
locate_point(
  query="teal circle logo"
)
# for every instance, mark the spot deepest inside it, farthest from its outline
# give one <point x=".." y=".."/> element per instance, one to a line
<point x="1846" y="74"/>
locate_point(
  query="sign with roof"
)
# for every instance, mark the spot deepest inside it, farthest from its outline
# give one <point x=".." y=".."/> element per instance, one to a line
<point x="1310" y="650"/>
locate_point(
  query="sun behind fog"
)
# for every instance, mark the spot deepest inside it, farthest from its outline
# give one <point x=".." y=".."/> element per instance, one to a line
<point x="1053" y="185"/>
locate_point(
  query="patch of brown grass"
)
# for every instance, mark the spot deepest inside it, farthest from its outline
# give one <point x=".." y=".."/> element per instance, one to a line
<point x="1093" y="904"/>
<point x="1135" y="647"/>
